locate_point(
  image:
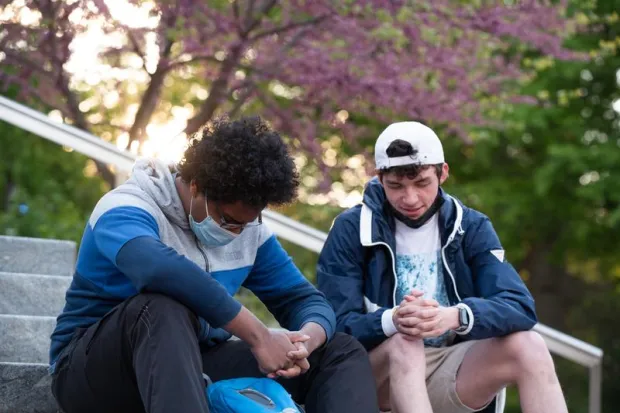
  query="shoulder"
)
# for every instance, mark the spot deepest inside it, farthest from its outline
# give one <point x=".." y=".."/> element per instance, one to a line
<point x="348" y="219"/>
<point x="131" y="203"/>
<point x="472" y="218"/>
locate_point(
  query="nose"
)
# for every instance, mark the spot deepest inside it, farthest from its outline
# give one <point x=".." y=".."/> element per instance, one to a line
<point x="410" y="197"/>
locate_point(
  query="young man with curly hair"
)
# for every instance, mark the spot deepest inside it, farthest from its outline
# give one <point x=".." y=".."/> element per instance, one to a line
<point x="151" y="305"/>
<point x="421" y="280"/>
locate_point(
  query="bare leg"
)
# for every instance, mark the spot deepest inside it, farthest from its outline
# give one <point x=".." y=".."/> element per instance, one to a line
<point x="520" y="358"/>
<point x="399" y="367"/>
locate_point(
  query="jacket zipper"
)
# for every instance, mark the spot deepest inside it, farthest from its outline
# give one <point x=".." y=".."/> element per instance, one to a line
<point x="208" y="269"/>
<point x="204" y="255"/>
<point x="457" y="230"/>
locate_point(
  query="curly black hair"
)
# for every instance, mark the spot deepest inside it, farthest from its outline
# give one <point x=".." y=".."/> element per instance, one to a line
<point x="242" y="160"/>
<point x="400" y="147"/>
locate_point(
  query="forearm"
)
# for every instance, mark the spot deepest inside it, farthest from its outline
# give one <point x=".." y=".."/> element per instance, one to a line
<point x="317" y="335"/>
<point x="301" y="305"/>
<point x="247" y="327"/>
<point x="516" y="315"/>
<point x="154" y="267"/>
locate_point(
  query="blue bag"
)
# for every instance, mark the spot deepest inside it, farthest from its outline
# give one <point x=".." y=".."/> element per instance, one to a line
<point x="249" y="395"/>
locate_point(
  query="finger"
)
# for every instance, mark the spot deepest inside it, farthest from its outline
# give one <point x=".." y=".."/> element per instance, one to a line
<point x="409" y="321"/>
<point x="272" y="375"/>
<point x="411" y="298"/>
<point x="408" y="310"/>
<point x="428" y="302"/>
<point x="414" y="332"/>
<point x="429" y="325"/>
<point x="427" y="312"/>
<point x="304" y="365"/>
<point x="297" y="336"/>
<point x="416" y="293"/>
<point x="298" y="354"/>
<point x="289" y="373"/>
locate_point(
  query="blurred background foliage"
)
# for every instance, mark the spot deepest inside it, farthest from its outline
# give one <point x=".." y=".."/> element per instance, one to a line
<point x="546" y="171"/>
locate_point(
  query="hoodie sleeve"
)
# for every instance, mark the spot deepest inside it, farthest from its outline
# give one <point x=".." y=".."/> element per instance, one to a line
<point x="129" y="238"/>
<point x="503" y="304"/>
<point x="340" y="275"/>
<point x="279" y="284"/>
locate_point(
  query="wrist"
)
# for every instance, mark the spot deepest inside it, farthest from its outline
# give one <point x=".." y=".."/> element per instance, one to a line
<point x="388" y="321"/>
<point x="247" y="327"/>
<point x="259" y="335"/>
<point x="317" y="335"/>
<point x="453" y="318"/>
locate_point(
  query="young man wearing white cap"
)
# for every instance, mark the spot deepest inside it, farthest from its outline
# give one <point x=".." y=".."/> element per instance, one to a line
<point x="422" y="282"/>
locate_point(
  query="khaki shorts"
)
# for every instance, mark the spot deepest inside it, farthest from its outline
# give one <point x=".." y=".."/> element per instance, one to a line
<point x="442" y="365"/>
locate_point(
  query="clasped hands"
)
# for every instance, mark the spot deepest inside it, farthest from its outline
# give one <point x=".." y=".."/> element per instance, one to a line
<point x="283" y="354"/>
<point x="417" y="317"/>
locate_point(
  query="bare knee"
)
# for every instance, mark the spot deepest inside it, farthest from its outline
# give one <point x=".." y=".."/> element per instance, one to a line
<point x="527" y="353"/>
<point x="405" y="353"/>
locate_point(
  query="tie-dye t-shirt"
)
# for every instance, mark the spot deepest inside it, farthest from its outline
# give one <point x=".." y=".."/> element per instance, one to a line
<point x="419" y="266"/>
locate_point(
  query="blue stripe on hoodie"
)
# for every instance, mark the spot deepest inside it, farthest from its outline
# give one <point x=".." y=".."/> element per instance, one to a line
<point x="123" y="255"/>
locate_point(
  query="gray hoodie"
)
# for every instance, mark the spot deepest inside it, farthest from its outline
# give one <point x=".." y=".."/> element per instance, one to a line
<point x="138" y="238"/>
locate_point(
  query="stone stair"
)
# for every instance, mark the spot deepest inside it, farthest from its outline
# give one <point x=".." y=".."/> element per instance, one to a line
<point x="34" y="275"/>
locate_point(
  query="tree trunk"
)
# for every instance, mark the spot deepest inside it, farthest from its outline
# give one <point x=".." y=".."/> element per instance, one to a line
<point x="137" y="132"/>
<point x="218" y="89"/>
<point x="150" y="99"/>
<point x="78" y="118"/>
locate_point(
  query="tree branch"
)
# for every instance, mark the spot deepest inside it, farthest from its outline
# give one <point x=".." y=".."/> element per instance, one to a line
<point x="248" y="16"/>
<point x="149" y="100"/>
<point x="242" y="99"/>
<point x="62" y="84"/>
<point x="291" y="26"/>
<point x="136" y="48"/>
<point x="80" y="121"/>
<point x="255" y="22"/>
<point x="235" y="6"/>
<point x="194" y="59"/>
<point x="216" y="93"/>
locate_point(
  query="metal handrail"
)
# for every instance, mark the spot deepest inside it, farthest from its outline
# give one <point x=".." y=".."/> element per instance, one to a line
<point x="300" y="234"/>
<point x="80" y="141"/>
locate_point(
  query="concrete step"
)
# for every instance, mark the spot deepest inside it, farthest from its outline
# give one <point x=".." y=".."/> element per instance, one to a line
<point x="25" y="388"/>
<point x="25" y="338"/>
<point x="32" y="294"/>
<point x="37" y="256"/>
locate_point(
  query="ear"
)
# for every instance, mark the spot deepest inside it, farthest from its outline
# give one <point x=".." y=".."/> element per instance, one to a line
<point x="379" y="175"/>
<point x="445" y="173"/>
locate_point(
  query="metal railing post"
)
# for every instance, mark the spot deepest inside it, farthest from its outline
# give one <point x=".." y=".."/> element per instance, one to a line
<point x="595" y="388"/>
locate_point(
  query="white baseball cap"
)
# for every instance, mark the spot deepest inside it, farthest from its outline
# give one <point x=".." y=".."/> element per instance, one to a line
<point x="426" y="145"/>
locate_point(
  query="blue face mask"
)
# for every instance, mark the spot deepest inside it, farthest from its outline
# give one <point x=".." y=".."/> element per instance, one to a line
<point x="208" y="231"/>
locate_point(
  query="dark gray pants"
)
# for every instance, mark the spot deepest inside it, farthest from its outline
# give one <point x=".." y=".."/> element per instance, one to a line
<point x="144" y="356"/>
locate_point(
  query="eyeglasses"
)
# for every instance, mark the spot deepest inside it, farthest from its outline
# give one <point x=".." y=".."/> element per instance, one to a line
<point x="233" y="226"/>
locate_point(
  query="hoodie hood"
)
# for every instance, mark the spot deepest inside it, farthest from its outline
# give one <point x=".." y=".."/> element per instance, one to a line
<point x="374" y="196"/>
<point x="156" y="179"/>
